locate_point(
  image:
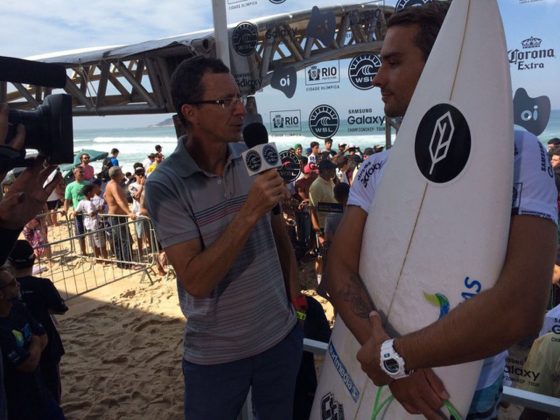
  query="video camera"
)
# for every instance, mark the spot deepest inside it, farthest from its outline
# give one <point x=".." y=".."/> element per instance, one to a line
<point x="47" y="128"/>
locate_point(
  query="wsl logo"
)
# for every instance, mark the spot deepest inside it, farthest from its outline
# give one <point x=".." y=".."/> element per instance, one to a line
<point x="403" y="4"/>
<point x="244" y="38"/>
<point x="531" y="56"/>
<point x="532" y="114"/>
<point x="443" y="143"/>
<point x="324" y="121"/>
<point x="362" y="69"/>
<point x="253" y="161"/>
<point x="270" y="155"/>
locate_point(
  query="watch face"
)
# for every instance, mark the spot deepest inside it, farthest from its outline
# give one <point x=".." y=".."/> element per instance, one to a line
<point x="391" y="365"/>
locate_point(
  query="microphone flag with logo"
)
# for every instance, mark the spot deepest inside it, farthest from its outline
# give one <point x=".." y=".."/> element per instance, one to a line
<point x="261" y="155"/>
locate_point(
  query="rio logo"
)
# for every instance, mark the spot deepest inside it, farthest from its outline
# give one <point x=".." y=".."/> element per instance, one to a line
<point x="473" y="286"/>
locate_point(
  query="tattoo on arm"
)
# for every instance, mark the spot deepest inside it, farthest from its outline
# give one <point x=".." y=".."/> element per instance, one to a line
<point x="356" y="294"/>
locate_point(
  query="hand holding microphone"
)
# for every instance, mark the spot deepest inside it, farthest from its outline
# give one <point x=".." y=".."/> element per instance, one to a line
<point x="261" y="159"/>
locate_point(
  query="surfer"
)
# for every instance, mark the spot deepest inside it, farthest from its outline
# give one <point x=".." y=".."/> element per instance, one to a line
<point x="489" y="322"/>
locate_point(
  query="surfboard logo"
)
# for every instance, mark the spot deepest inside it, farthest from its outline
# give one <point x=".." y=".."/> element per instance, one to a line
<point x="362" y="69"/>
<point x="331" y="409"/>
<point x="324" y="121"/>
<point x="443" y="143"/>
<point x="440" y="301"/>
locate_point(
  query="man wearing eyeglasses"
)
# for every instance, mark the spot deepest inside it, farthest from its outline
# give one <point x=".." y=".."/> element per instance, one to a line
<point x="216" y="226"/>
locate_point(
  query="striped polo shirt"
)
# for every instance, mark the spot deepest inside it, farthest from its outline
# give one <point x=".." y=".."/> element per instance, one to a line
<point x="248" y="312"/>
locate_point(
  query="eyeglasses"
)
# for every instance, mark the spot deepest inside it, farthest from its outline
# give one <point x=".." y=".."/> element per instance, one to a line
<point x="226" y="103"/>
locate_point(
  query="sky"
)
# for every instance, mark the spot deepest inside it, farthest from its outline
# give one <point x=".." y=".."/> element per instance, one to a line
<point x="30" y="28"/>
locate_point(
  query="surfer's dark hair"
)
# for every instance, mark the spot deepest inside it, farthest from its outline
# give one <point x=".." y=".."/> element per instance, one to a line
<point x="186" y="86"/>
<point x="428" y="18"/>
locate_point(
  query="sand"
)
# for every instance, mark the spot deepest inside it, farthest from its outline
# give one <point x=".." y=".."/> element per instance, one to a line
<point x="123" y="346"/>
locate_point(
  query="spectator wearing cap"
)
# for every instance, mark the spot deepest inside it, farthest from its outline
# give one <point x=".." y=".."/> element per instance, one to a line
<point x="321" y="191"/>
<point x="303" y="184"/>
<point x="298" y="150"/>
<point x="552" y="143"/>
<point x="42" y="299"/>
<point x="148" y="161"/>
<point x="368" y="151"/>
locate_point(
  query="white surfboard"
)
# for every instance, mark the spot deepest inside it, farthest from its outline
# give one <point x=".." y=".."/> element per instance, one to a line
<point x="438" y="228"/>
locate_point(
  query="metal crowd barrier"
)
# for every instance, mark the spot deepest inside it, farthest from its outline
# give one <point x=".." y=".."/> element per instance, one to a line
<point x="117" y="249"/>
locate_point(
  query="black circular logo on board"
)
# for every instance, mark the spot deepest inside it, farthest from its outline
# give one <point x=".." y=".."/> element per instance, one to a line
<point x="290" y="169"/>
<point x="270" y="155"/>
<point x="362" y="69"/>
<point x="324" y="121"/>
<point x="244" y="38"/>
<point x="443" y="143"/>
<point x="253" y="161"/>
<point x="403" y="4"/>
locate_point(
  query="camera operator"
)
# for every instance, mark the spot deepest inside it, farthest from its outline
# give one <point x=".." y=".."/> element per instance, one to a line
<point x="26" y="196"/>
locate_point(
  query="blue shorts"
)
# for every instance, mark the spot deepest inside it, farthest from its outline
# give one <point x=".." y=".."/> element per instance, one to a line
<point x="485" y="401"/>
<point x="217" y="392"/>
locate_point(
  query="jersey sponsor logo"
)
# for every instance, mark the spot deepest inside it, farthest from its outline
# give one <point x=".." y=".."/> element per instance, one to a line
<point x="244" y="38"/>
<point x="370" y="168"/>
<point x="362" y="69"/>
<point x="443" y="143"/>
<point x="331" y="409"/>
<point x="533" y="114"/>
<point x="343" y="372"/>
<point x="324" y="121"/>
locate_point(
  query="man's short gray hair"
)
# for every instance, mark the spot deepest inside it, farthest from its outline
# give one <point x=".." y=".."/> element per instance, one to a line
<point x="114" y="171"/>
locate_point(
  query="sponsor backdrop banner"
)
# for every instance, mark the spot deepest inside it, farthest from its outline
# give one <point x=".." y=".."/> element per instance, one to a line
<point x="336" y="99"/>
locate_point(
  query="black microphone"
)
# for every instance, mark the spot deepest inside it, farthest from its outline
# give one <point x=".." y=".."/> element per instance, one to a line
<point x="256" y="135"/>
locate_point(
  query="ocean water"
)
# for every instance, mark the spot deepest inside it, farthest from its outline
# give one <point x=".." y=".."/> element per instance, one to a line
<point x="135" y="144"/>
